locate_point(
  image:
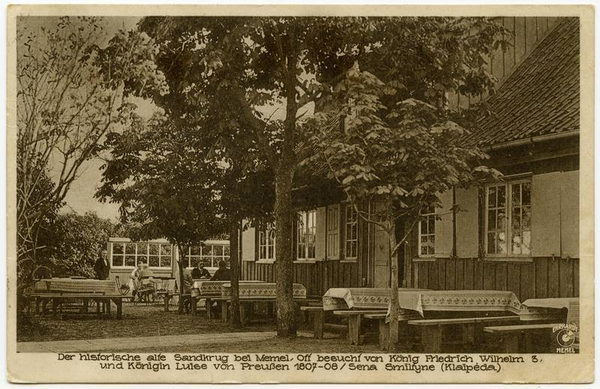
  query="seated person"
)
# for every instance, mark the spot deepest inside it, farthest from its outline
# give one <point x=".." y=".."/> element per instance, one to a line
<point x="200" y="272"/>
<point x="222" y="273"/>
<point x="188" y="281"/>
<point x="134" y="282"/>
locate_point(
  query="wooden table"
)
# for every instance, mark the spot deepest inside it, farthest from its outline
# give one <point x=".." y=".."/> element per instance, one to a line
<point x="251" y="293"/>
<point x="555" y="310"/>
<point x="209" y="290"/>
<point x="58" y="299"/>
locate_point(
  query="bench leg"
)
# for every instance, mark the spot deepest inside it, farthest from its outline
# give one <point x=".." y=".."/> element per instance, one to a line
<point x="119" y="304"/>
<point x="384" y="333"/>
<point x="354" y="329"/>
<point x="85" y="305"/>
<point x="193" y="302"/>
<point x="37" y="305"/>
<point x="209" y="311"/>
<point x="108" y="307"/>
<point x="244" y="313"/>
<point x="468" y="334"/>
<point x="431" y="339"/>
<point x="224" y="311"/>
<point x="318" y="323"/>
<point x="167" y="298"/>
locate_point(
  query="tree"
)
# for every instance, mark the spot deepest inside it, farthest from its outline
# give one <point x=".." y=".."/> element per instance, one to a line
<point x="253" y="65"/>
<point x="77" y="241"/>
<point x="159" y="173"/>
<point x="69" y="95"/>
<point x="400" y="144"/>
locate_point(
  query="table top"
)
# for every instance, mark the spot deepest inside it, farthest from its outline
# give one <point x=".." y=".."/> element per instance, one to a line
<point x="208" y="288"/>
<point x="421" y="300"/>
<point x="358" y="298"/>
<point x="555" y="309"/>
<point x="266" y="290"/>
<point x="76" y="285"/>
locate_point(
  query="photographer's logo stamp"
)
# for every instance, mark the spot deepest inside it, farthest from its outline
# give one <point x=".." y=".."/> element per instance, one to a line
<point x="566" y="336"/>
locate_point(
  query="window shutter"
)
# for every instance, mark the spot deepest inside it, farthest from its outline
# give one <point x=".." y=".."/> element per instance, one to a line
<point x="467" y="223"/>
<point x="321" y="232"/>
<point x="249" y="244"/>
<point x="569" y="214"/>
<point x="545" y="214"/>
<point x="333" y="231"/>
<point x="443" y="226"/>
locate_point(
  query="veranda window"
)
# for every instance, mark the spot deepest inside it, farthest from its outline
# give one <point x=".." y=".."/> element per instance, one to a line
<point x="307" y="232"/>
<point x="129" y="254"/>
<point x="508" y="219"/>
<point x="209" y="255"/>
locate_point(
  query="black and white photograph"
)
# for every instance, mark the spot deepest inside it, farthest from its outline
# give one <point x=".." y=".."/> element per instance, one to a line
<point x="372" y="195"/>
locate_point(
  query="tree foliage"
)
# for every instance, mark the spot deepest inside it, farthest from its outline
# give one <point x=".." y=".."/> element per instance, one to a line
<point x="72" y="88"/>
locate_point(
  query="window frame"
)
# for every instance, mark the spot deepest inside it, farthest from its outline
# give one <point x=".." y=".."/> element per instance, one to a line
<point x="266" y="229"/>
<point x="308" y="230"/>
<point x="431" y="213"/>
<point x="508" y="185"/>
<point x="345" y="223"/>
<point x="214" y="259"/>
<point x="140" y="255"/>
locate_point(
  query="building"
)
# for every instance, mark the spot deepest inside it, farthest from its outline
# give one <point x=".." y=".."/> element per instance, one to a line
<point x="519" y="235"/>
<point x="161" y="256"/>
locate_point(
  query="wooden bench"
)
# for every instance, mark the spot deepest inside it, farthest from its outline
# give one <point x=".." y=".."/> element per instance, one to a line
<point x="355" y="317"/>
<point x="59" y="298"/>
<point x="519" y="338"/>
<point x="472" y="329"/>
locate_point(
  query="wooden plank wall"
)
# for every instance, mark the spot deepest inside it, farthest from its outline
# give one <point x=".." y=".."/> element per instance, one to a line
<point x="317" y="277"/>
<point x="542" y="278"/>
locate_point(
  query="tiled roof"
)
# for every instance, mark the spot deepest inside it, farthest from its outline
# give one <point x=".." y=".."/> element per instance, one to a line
<point x="541" y="96"/>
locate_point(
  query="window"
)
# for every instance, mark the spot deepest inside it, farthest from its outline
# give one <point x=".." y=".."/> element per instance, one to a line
<point x="210" y="254"/>
<point x="333" y="232"/>
<point x="508" y="219"/>
<point x="266" y="243"/>
<point x="427" y="233"/>
<point x="351" y="233"/>
<point x="307" y="232"/>
<point x="129" y="254"/>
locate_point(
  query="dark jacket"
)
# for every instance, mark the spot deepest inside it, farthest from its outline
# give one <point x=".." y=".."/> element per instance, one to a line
<point x="101" y="268"/>
<point x="221" y="275"/>
<point x="200" y="273"/>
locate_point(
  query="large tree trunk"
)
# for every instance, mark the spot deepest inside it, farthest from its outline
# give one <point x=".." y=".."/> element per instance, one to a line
<point x="394" y="304"/>
<point x="286" y="325"/>
<point x="235" y="271"/>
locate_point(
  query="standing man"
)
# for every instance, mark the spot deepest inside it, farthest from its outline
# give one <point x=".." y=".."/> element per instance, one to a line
<point x="102" y="267"/>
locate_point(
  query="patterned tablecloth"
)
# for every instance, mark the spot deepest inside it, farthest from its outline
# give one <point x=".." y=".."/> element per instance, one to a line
<point x="420" y="300"/>
<point x="357" y="298"/>
<point x="207" y="288"/>
<point x="260" y="291"/>
<point x="75" y="285"/>
<point x="551" y="309"/>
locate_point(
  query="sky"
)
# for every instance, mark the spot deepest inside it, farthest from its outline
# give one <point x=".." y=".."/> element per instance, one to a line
<point x="80" y="198"/>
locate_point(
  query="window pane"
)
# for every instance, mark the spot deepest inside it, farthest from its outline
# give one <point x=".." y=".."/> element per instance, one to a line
<point x="166" y="261"/>
<point x="501" y="191"/>
<point x="130" y="260"/>
<point x="526" y="193"/>
<point x="526" y="246"/>
<point x="218" y="251"/>
<point x="130" y="248"/>
<point x="491" y="249"/>
<point x="516" y="195"/>
<point x="117" y="260"/>
<point x="117" y="248"/>
<point x="154" y="249"/>
<point x="165" y="249"/>
<point x="154" y="261"/>
<point x="501" y="243"/>
<point x="226" y="250"/>
<point x="491" y="197"/>
<point x="207" y="251"/>
<point x="195" y="250"/>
